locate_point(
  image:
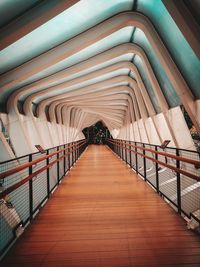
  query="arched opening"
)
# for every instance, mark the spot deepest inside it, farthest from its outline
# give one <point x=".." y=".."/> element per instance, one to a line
<point x="97" y="133"/>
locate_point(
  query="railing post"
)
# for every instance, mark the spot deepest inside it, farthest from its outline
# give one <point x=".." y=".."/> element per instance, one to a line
<point x="77" y="145"/>
<point x="78" y="148"/>
<point x="73" y="149"/>
<point x="178" y="183"/>
<point x="48" y="182"/>
<point x="64" y="162"/>
<point x="157" y="174"/>
<point x="122" y="146"/>
<point x="130" y="155"/>
<point x="144" y="163"/>
<point x="125" y="152"/>
<point x="73" y="153"/>
<point x="118" y="150"/>
<point x="76" y="151"/>
<point x="136" y="159"/>
<point x="69" y="156"/>
<point x="58" y="167"/>
<point x="79" y="151"/>
<point x="30" y="190"/>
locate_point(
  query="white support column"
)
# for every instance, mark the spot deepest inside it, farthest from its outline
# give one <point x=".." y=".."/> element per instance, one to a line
<point x="142" y="130"/>
<point x="163" y="129"/>
<point x="180" y="128"/>
<point x="197" y="103"/>
<point x="136" y="132"/>
<point x="6" y="151"/>
<point x="132" y="134"/>
<point x="152" y="132"/>
<point x="18" y="135"/>
<point x="44" y="132"/>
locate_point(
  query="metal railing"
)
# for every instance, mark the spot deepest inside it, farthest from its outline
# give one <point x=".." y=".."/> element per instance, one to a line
<point x="173" y="173"/>
<point x="27" y="182"/>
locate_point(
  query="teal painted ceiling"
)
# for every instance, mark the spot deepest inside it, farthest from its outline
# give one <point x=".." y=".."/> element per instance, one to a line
<point x="125" y="57"/>
<point x="77" y="19"/>
<point x="98" y="79"/>
<point x="11" y="9"/>
<point x="63" y="27"/>
<point x="117" y="38"/>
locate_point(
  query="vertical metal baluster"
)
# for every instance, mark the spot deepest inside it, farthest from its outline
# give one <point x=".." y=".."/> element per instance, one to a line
<point x="73" y="154"/>
<point x="144" y="163"/>
<point x="69" y="156"/>
<point x="76" y="153"/>
<point x="136" y="159"/>
<point x="130" y="154"/>
<point x="58" y="166"/>
<point x="157" y="174"/>
<point x="121" y="142"/>
<point x="30" y="190"/>
<point x="125" y="152"/>
<point x="178" y="183"/>
<point x="64" y="160"/>
<point x="48" y="171"/>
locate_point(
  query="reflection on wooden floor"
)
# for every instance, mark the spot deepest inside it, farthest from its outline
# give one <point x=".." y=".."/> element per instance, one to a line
<point x="104" y="215"/>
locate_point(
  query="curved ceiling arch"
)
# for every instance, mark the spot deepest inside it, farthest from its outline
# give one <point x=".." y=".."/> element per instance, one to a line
<point x="114" y="91"/>
<point x="97" y="86"/>
<point x="113" y="67"/>
<point x="49" y="97"/>
<point x="71" y="112"/>
<point x="102" y="30"/>
<point x="104" y="100"/>
<point x="115" y="94"/>
<point x="119" y="50"/>
<point x="135" y="110"/>
<point x="92" y="35"/>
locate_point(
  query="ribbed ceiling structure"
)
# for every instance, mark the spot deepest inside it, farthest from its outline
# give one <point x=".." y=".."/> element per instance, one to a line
<point x="78" y="62"/>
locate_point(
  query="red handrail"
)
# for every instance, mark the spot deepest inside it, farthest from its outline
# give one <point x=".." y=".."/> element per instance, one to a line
<point x="29" y="164"/>
<point x="160" y="162"/>
<point x="26" y="179"/>
<point x="190" y="161"/>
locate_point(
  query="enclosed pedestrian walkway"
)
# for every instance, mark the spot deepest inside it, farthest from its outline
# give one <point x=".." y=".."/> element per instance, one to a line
<point x="103" y="214"/>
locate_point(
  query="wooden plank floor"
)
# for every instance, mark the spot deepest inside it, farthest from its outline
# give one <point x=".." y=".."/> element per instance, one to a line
<point x="104" y="215"/>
